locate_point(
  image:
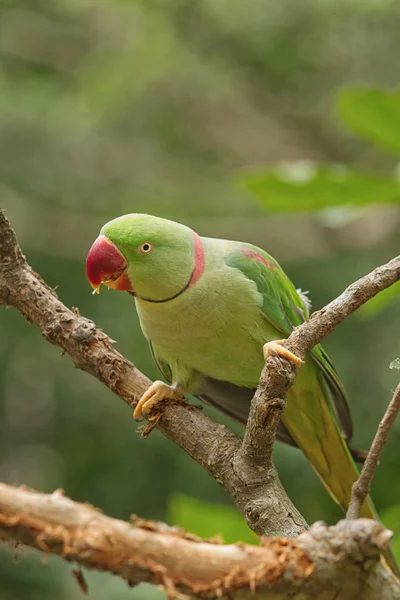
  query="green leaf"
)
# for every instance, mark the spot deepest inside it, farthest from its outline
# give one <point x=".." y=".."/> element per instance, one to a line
<point x="305" y="186"/>
<point x="209" y="520"/>
<point x="373" y="114"/>
<point x="380" y="301"/>
<point x="391" y="520"/>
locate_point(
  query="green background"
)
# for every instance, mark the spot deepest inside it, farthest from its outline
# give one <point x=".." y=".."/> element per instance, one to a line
<point x="229" y="116"/>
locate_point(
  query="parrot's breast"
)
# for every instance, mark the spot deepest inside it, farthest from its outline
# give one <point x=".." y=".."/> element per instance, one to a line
<point x="216" y="329"/>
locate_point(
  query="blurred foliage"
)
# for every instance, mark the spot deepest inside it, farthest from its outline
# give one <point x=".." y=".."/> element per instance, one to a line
<point x="143" y="105"/>
<point x="209" y="520"/>
<point x="374" y="114"/>
<point x="305" y="186"/>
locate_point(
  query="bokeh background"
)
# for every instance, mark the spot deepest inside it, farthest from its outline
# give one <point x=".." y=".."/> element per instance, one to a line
<point x="112" y="106"/>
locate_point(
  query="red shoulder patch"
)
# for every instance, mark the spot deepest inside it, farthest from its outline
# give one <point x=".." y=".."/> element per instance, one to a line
<point x="251" y="254"/>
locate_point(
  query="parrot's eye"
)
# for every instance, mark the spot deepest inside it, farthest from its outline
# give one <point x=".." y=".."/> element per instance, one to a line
<point x="145" y="248"/>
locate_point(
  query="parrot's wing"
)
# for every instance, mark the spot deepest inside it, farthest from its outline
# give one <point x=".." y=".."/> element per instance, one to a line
<point x="285" y="308"/>
<point x="309" y="415"/>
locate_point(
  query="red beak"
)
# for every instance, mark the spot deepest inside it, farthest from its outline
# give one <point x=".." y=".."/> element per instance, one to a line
<point x="106" y="264"/>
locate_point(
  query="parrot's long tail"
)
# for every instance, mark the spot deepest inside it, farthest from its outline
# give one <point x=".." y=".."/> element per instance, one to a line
<point x="310" y="421"/>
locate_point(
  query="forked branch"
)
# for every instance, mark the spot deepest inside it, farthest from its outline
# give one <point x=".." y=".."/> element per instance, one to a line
<point x="245" y="470"/>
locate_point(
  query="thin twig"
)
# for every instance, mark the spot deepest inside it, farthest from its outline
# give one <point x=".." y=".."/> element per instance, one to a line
<point x="361" y="487"/>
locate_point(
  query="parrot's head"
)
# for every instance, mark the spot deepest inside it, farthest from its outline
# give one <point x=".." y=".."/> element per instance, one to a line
<point x="153" y="258"/>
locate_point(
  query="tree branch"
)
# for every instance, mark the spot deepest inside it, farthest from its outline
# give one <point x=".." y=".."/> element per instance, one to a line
<point x="362" y="486"/>
<point x="278" y="374"/>
<point x="244" y="470"/>
<point x="341" y="562"/>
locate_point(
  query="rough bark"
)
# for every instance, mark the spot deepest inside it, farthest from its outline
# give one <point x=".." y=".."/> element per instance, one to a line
<point x="340" y="562"/>
<point x="245" y="470"/>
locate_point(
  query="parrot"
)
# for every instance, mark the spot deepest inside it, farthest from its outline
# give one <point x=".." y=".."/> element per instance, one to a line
<point x="212" y="310"/>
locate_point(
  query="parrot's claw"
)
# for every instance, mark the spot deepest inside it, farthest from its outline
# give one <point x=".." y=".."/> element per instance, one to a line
<point x="157" y="392"/>
<point x="276" y="348"/>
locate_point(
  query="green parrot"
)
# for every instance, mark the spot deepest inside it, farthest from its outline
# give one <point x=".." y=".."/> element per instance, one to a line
<point x="212" y="310"/>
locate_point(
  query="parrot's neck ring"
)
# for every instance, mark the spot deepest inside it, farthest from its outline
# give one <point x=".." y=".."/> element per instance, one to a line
<point x="198" y="269"/>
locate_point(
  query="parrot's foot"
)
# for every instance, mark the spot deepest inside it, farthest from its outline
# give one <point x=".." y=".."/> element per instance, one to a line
<point x="157" y="392"/>
<point x="276" y="348"/>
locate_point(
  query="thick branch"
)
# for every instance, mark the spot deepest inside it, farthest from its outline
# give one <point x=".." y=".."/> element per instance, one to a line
<point x="362" y="486"/>
<point x="341" y="562"/>
<point x="245" y="472"/>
